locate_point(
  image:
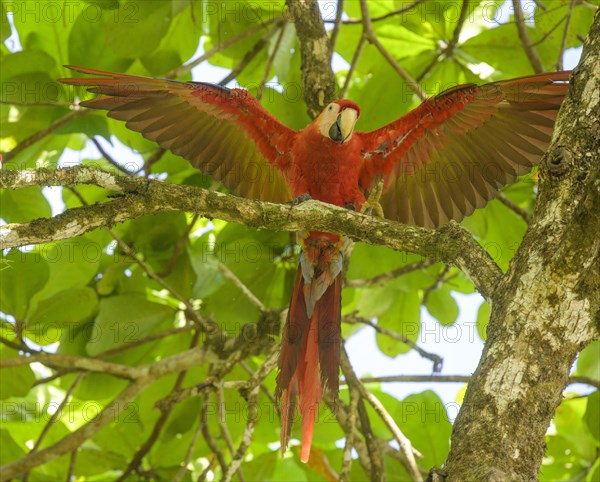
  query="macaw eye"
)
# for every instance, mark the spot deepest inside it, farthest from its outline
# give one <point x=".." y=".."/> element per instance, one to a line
<point x="330" y="107"/>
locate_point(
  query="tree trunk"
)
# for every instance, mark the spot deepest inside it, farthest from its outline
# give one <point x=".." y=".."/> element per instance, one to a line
<point x="547" y="306"/>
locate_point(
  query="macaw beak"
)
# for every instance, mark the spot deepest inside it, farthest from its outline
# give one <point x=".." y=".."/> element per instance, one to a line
<point x="342" y="128"/>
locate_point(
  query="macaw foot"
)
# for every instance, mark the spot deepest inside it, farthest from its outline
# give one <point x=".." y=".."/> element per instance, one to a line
<point x="371" y="205"/>
<point x="300" y="199"/>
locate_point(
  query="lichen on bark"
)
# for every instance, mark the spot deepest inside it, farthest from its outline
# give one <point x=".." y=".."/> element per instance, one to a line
<point x="547" y="306"/>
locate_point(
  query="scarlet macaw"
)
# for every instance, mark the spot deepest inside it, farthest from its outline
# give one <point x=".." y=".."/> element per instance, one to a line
<point x="439" y="162"/>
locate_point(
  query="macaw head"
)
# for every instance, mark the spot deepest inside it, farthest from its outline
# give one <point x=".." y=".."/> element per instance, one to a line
<point x="337" y="121"/>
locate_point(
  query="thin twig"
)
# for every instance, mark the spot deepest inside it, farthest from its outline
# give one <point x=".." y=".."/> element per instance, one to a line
<point x="58" y="412"/>
<point x="449" y="50"/>
<point x="450" y="243"/>
<point x="518" y="210"/>
<point x="530" y="51"/>
<point x="263" y="387"/>
<point x="179" y="247"/>
<point x="231" y="276"/>
<point x="547" y="34"/>
<point x="37" y="104"/>
<point x="417" y="378"/>
<point x="209" y="468"/>
<point x="189" y="309"/>
<point x="372" y="38"/>
<point x="336" y="28"/>
<point x="439" y="280"/>
<point x="455" y="379"/>
<point x="390" y="275"/>
<point x="109" y="158"/>
<point x="563" y="43"/>
<point x="54" y="418"/>
<point x="250" y="55"/>
<point x="78" y="362"/>
<point x="400" y="11"/>
<point x="146" y="339"/>
<point x="405" y="445"/>
<point x="355" y="59"/>
<point x="14" y="346"/>
<point x="72" y="462"/>
<point x="137" y="458"/>
<point x="25" y="143"/>
<point x="184" y="69"/>
<point x="190" y="450"/>
<point x="210" y="441"/>
<point x="347" y="456"/>
<point x="437" y="360"/>
<point x="342" y="415"/>
<point x="76" y="438"/>
<point x="225" y="434"/>
<point x="270" y="62"/>
<point x="154" y="157"/>
<point x="259" y="376"/>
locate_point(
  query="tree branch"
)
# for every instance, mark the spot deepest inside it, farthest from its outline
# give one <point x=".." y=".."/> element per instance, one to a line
<point x="530" y="51"/>
<point x="451" y="243"/>
<point x="317" y="76"/>
<point x="372" y="38"/>
<point x="547" y="307"/>
<point x="72" y="441"/>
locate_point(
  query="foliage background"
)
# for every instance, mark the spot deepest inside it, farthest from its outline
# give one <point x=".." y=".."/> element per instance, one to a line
<point x="91" y="297"/>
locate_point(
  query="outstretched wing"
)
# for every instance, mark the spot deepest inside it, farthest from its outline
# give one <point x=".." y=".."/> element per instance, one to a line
<point x="224" y="132"/>
<point x="454" y="152"/>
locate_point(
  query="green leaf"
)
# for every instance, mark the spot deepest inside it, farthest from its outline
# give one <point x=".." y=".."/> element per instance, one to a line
<point x="424" y="420"/>
<point x="22" y="275"/>
<point x="288" y="106"/>
<point x="42" y="154"/>
<point x="571" y="449"/>
<point x="404" y="317"/>
<point x="5" y="30"/>
<point x="546" y="21"/>
<point x="588" y="362"/>
<point x="91" y="125"/>
<point x="124" y="319"/>
<point x="25" y="204"/>
<point x="594" y="473"/>
<point x="92" y="461"/>
<point x="87" y="46"/>
<point x="73" y="262"/>
<point x="178" y="44"/>
<point x="592" y="415"/>
<point x="138" y="32"/>
<point x="15" y="381"/>
<point x="209" y="278"/>
<point x="499" y="230"/>
<point x="11" y="450"/>
<point x="154" y="237"/>
<point x="62" y="310"/>
<point x="442" y="306"/>
<point x="483" y="317"/>
<point x="161" y="61"/>
<point x="26" y="62"/>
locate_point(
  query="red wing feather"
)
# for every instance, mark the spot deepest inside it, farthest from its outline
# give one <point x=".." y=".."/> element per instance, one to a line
<point x="224" y="132"/>
<point x="453" y="153"/>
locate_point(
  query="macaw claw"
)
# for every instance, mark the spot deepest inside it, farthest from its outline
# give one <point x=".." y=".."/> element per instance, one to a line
<point x="300" y="199"/>
<point x="371" y="205"/>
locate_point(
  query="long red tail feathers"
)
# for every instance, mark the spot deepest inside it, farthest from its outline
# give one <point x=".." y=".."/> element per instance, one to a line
<point x="309" y="360"/>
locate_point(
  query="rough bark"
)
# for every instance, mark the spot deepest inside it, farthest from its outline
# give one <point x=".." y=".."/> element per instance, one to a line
<point x="547" y="306"/>
<point x="451" y="243"/>
<point x="317" y="75"/>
